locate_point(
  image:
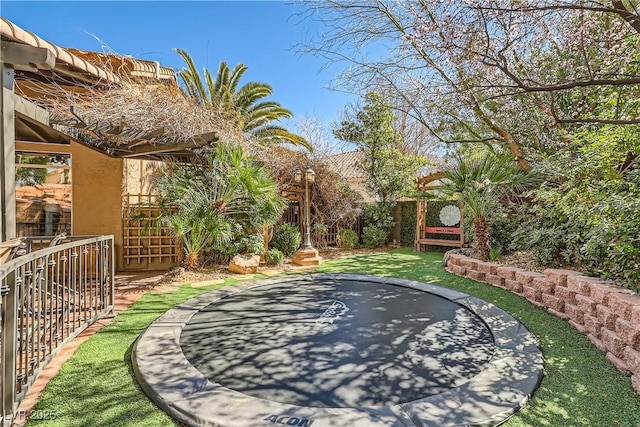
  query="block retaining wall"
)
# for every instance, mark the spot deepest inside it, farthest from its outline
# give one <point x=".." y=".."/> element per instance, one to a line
<point x="607" y="314"/>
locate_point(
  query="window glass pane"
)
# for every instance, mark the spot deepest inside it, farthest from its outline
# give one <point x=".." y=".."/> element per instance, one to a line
<point x="43" y="194"/>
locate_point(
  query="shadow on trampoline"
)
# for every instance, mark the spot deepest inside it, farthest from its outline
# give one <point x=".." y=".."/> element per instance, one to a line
<point x="338" y="350"/>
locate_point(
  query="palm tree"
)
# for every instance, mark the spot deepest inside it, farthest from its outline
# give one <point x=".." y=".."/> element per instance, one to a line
<point x="242" y="104"/>
<point x="480" y="182"/>
<point x="207" y="205"/>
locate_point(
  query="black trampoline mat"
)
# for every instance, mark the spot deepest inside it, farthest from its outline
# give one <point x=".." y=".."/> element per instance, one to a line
<point x="337" y="343"/>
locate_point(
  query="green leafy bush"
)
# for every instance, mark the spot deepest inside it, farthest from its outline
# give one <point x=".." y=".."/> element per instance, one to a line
<point x="586" y="214"/>
<point x="495" y="253"/>
<point x="273" y="256"/>
<point x="252" y="244"/>
<point x="372" y="237"/>
<point x="408" y="223"/>
<point x="286" y="238"/>
<point x="612" y="248"/>
<point x="379" y="215"/>
<point x="503" y="224"/>
<point x="347" y="238"/>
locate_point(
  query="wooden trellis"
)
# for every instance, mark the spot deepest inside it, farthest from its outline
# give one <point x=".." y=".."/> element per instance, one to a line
<point x="435" y="234"/>
<point x="146" y="245"/>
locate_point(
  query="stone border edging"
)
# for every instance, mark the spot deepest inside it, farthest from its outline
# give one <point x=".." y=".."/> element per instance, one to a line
<point x="608" y="314"/>
<point x="489" y="398"/>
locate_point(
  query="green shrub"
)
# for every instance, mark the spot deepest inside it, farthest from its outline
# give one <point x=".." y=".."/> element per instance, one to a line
<point x="379" y="215"/>
<point x="286" y="238"/>
<point x="273" y="257"/>
<point x="372" y="237"/>
<point x="612" y="248"/>
<point x="252" y="244"/>
<point x="408" y="223"/>
<point x="495" y="253"/>
<point x="347" y="238"/>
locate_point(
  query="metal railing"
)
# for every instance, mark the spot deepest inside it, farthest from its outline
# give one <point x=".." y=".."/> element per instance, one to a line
<point x="47" y="298"/>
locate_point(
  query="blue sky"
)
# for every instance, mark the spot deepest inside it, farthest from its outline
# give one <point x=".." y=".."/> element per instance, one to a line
<point x="263" y="35"/>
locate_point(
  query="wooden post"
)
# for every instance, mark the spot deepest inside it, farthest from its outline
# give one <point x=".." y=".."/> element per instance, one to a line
<point x="11" y="54"/>
<point x="7" y="156"/>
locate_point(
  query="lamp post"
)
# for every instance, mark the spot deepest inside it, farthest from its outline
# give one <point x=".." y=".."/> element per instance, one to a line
<point x="307" y="254"/>
<point x="309" y="177"/>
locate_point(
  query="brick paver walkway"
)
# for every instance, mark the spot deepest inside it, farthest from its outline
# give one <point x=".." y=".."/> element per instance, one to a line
<point x="129" y="287"/>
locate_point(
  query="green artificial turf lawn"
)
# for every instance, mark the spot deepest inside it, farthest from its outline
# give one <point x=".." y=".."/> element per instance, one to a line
<point x="581" y="388"/>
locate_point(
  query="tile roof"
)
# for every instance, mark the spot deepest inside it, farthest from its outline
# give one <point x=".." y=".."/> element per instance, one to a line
<point x="346" y="164"/>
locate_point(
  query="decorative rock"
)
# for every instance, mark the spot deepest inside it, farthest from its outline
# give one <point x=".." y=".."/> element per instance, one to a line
<point x="244" y="264"/>
<point x="270" y="272"/>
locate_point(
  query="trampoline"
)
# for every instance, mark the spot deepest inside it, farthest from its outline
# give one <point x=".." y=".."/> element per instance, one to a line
<point x="337" y="350"/>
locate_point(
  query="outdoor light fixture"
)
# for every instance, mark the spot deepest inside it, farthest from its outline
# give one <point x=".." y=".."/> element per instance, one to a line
<point x="309" y="177"/>
<point x="307" y="254"/>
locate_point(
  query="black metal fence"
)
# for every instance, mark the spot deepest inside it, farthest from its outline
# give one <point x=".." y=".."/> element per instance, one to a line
<point x="49" y="296"/>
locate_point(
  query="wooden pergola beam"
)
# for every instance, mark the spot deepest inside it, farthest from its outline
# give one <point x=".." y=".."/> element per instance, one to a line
<point x="195" y="142"/>
<point x="21" y="54"/>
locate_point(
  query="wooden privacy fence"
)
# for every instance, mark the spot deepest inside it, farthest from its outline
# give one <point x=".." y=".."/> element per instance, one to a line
<point x="49" y="296"/>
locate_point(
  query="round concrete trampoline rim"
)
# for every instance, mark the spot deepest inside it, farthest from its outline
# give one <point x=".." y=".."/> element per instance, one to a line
<point x="505" y="385"/>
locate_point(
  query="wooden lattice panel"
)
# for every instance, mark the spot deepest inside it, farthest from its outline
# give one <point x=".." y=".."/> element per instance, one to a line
<point x="146" y="243"/>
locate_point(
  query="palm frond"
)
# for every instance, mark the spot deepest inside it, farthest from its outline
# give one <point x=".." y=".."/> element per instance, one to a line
<point x="191" y="78"/>
<point x="277" y="135"/>
<point x="236" y="75"/>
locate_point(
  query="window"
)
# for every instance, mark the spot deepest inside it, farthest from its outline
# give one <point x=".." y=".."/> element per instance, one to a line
<point x="43" y="194"/>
